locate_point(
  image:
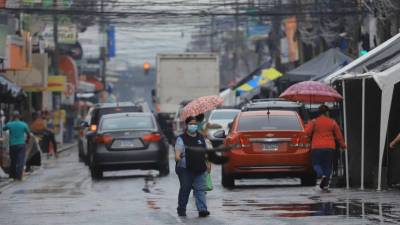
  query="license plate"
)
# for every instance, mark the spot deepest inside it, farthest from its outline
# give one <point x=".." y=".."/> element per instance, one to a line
<point x="270" y="147"/>
<point x="127" y="144"/>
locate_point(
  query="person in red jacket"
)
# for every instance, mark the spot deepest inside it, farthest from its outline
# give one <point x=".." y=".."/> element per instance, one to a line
<point x="323" y="132"/>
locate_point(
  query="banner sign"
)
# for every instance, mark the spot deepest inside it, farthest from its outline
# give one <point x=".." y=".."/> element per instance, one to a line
<point x="111" y="41"/>
<point x="3" y="40"/>
<point x="259" y="30"/>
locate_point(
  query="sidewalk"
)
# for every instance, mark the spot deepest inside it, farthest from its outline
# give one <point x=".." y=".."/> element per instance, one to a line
<point x="4" y="182"/>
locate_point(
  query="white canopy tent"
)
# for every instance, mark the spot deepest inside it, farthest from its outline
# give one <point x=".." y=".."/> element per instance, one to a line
<point x="386" y="81"/>
<point x="361" y="60"/>
<point x="386" y="77"/>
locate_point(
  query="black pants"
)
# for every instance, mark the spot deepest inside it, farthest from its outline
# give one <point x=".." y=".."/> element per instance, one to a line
<point x="17" y="156"/>
<point x="48" y="137"/>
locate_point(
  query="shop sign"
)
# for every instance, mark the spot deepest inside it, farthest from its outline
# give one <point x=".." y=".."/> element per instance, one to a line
<point x="57" y="83"/>
<point x="67" y="34"/>
<point x="35" y="78"/>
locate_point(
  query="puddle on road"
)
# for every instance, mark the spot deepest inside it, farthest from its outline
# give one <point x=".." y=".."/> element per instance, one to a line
<point x="152" y="204"/>
<point x="149" y="182"/>
<point x="350" y="208"/>
<point x="41" y="191"/>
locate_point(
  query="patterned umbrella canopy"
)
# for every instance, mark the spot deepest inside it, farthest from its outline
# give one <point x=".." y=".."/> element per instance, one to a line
<point x="311" y="92"/>
<point x="201" y="105"/>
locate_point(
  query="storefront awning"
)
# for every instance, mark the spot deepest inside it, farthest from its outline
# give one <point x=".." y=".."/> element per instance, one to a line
<point x="9" y="91"/>
<point x="259" y="80"/>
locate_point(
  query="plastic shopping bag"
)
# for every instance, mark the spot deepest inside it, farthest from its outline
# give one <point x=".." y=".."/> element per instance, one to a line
<point x="209" y="183"/>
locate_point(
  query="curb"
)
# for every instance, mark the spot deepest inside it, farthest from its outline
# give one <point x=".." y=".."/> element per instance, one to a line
<point x="67" y="147"/>
<point x="4" y="185"/>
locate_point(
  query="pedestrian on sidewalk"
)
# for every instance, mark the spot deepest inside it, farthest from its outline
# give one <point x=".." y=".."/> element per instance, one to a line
<point x="323" y="132"/>
<point x="191" y="168"/>
<point x="19" y="135"/>
<point x="42" y="125"/>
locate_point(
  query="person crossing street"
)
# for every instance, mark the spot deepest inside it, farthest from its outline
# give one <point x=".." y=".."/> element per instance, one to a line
<point x="191" y="168"/>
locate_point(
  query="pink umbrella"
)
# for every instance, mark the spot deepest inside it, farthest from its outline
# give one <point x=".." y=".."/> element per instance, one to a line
<point x="201" y="105"/>
<point x="311" y="92"/>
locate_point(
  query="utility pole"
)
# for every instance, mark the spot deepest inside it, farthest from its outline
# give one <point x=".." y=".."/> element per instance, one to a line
<point x="55" y="37"/>
<point x="103" y="47"/>
<point x="212" y="34"/>
<point x="56" y="97"/>
<point x="235" y="59"/>
<point x="276" y="33"/>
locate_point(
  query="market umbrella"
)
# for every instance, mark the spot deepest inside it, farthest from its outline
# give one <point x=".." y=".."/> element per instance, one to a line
<point x="201" y="105"/>
<point x="311" y="92"/>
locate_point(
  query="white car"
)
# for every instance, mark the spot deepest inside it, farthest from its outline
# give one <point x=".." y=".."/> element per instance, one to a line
<point x="221" y="117"/>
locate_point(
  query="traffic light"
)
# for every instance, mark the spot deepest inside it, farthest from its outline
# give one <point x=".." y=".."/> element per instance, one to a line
<point x="146" y="68"/>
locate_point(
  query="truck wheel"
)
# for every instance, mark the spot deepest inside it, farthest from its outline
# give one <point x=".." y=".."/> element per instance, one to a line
<point x="227" y="180"/>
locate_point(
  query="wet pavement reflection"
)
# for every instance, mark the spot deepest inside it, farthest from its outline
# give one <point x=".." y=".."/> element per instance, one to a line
<point x="349" y="208"/>
<point x="62" y="192"/>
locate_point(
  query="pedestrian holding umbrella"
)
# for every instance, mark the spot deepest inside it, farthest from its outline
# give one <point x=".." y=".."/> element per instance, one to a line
<point x="196" y="108"/>
<point x="322" y="130"/>
<point x="190" y="155"/>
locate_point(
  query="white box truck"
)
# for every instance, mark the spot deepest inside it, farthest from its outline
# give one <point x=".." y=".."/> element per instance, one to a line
<point x="181" y="77"/>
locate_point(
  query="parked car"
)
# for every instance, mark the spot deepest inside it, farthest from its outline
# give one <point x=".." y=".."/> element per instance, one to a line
<point x="90" y="124"/>
<point x="268" y="144"/>
<point x="143" y="104"/>
<point x="222" y="118"/>
<point x="129" y="141"/>
<point x="277" y="104"/>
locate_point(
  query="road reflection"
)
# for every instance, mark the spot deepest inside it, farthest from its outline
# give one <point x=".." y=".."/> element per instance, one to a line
<point x="379" y="212"/>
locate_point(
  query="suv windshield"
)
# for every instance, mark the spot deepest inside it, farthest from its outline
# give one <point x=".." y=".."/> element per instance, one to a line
<point x="127" y="123"/>
<point x="272" y="122"/>
<point x="98" y="113"/>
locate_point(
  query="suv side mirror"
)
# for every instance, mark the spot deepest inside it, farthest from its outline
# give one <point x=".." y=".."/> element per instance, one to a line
<point x="220" y="134"/>
<point x="230" y="125"/>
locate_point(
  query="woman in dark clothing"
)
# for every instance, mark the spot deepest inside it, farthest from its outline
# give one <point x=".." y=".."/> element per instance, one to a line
<point x="191" y="168"/>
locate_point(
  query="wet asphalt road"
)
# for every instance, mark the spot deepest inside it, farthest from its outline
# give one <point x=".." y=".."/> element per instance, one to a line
<point x="62" y="192"/>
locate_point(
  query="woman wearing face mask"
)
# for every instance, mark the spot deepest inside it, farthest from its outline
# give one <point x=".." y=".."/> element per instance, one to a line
<point x="191" y="168"/>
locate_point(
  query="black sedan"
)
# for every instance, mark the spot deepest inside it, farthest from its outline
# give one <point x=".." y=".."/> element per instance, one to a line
<point x="128" y="141"/>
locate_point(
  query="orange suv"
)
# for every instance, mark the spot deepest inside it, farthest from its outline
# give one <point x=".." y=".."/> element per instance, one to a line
<point x="268" y="144"/>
